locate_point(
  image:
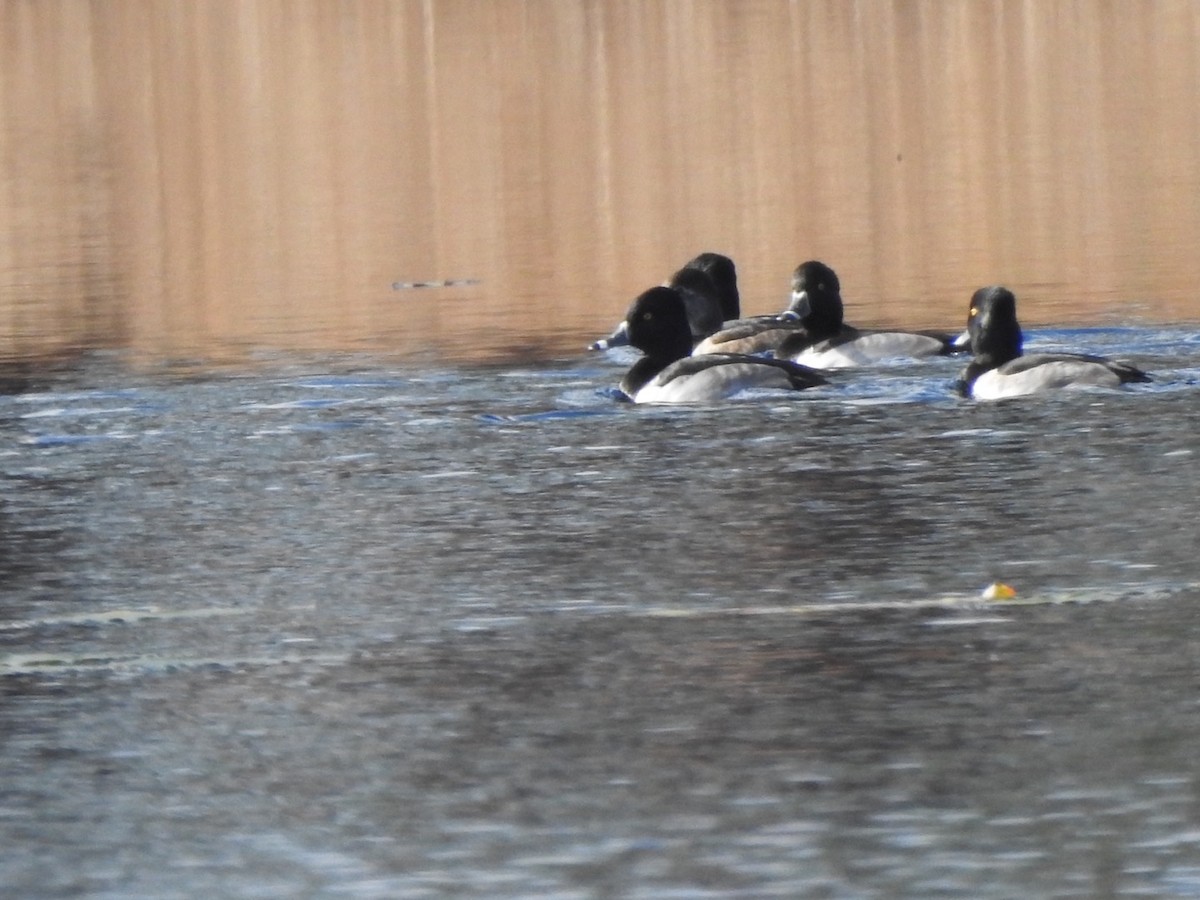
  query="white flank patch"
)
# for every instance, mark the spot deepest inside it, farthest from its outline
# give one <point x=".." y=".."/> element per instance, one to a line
<point x="710" y="384"/>
<point x="1057" y="375"/>
<point x="869" y="349"/>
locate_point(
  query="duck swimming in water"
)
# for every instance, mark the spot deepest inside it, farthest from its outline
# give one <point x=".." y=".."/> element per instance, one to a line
<point x="708" y="285"/>
<point x="657" y="324"/>
<point x="1000" y="369"/>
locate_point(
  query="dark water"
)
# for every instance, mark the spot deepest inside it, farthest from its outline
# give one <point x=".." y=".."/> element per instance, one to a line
<point x="338" y="629"/>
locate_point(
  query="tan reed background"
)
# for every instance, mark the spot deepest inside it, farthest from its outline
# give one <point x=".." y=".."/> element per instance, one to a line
<point x="197" y="180"/>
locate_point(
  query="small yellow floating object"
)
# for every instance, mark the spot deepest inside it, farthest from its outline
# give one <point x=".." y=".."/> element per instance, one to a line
<point x="998" y="590"/>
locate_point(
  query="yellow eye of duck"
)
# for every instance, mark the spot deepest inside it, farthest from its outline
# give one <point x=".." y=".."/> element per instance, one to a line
<point x="974" y="311"/>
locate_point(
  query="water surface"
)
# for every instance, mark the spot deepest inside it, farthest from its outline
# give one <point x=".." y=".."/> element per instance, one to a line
<point x="339" y="628"/>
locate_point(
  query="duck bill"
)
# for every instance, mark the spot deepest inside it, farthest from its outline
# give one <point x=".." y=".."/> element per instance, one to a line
<point x="800" y="306"/>
<point x="619" y="338"/>
<point x="963" y="340"/>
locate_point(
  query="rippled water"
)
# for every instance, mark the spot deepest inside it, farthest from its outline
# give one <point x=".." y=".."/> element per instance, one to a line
<point x="339" y="629"/>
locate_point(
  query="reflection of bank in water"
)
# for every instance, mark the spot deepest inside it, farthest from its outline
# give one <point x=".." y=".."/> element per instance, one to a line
<point x="223" y="179"/>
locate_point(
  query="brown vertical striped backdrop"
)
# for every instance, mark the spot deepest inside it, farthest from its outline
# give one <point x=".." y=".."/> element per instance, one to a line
<point x="202" y="179"/>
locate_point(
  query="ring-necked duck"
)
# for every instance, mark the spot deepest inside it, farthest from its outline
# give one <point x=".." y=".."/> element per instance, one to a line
<point x="764" y="334"/>
<point x="708" y="285"/>
<point x="827" y="342"/>
<point x="657" y="324"/>
<point x="721" y="270"/>
<point x="1000" y="370"/>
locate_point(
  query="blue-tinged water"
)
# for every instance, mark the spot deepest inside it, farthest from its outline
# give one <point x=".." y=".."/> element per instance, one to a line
<point x="340" y="628"/>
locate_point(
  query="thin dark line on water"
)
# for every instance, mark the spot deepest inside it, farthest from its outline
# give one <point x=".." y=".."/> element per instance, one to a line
<point x="449" y="282"/>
